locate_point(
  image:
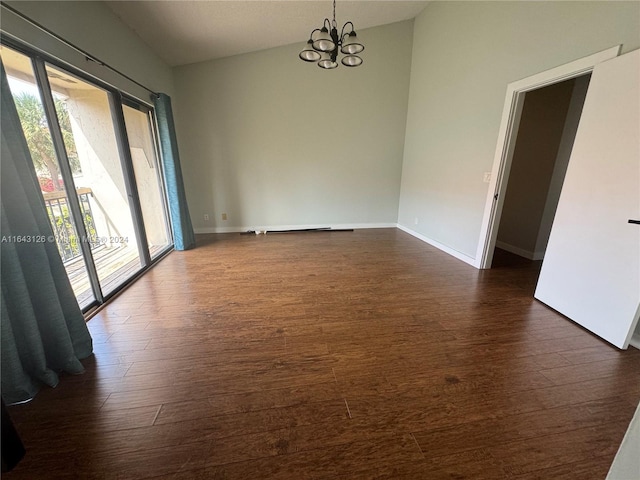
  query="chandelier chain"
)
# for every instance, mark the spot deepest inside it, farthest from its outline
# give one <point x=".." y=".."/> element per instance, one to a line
<point x="334" y="14"/>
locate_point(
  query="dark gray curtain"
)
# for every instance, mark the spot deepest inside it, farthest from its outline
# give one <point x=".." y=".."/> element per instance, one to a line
<point x="183" y="235"/>
<point x="43" y="330"/>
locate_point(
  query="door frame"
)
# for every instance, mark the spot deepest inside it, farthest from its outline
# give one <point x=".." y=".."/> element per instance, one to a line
<point x="507" y="135"/>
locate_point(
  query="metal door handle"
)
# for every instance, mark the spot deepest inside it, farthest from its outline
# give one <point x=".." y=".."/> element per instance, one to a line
<point x="637" y="222"/>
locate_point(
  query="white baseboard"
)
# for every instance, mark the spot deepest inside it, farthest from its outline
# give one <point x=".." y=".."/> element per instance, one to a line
<point x="520" y="251"/>
<point x="199" y="231"/>
<point x="459" y="255"/>
<point x="635" y="340"/>
<point x="274" y="228"/>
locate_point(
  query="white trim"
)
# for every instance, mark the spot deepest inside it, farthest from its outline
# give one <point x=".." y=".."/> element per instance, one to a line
<point x="520" y="251"/>
<point x="200" y="231"/>
<point x="512" y="109"/>
<point x="356" y="226"/>
<point x="635" y="340"/>
<point x="339" y="226"/>
<point x="434" y="243"/>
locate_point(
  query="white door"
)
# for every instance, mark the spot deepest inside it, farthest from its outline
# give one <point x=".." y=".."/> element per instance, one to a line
<point x="591" y="269"/>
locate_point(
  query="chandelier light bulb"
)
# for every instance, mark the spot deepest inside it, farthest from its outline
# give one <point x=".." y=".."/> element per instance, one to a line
<point x="324" y="42"/>
<point x="352" y="61"/>
<point x="327" y="62"/>
<point x="351" y="45"/>
<point x="309" y="54"/>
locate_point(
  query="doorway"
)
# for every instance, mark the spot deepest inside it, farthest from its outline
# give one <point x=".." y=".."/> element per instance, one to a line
<point x="545" y="135"/>
<point x="507" y="136"/>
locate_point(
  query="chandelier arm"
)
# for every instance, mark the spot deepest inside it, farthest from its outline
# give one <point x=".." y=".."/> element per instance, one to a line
<point x="312" y="32"/>
<point x="342" y="34"/>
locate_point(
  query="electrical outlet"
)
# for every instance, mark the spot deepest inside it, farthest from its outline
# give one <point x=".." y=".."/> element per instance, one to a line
<point x="224" y="216"/>
<point x="206" y="217"/>
<point x="486" y="178"/>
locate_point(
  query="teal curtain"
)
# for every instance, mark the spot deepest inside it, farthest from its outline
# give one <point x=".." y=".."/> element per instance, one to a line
<point x="43" y="330"/>
<point x="183" y="235"/>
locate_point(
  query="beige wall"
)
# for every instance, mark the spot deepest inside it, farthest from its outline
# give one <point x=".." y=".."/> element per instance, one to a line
<point x="95" y="28"/>
<point x="273" y="141"/>
<point x="538" y="140"/>
<point x="464" y="55"/>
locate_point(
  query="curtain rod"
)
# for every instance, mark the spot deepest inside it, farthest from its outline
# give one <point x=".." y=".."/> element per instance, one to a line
<point x="87" y="55"/>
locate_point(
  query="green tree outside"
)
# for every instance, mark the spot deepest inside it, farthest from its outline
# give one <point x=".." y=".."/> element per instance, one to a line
<point x="38" y="137"/>
<point x="36" y="132"/>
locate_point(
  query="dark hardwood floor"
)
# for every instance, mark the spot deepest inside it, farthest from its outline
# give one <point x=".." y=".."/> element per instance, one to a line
<point x="345" y="355"/>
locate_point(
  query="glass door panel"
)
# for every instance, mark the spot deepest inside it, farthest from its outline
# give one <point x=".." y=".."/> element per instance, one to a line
<point x="92" y="149"/>
<point x="148" y="178"/>
<point x="30" y="108"/>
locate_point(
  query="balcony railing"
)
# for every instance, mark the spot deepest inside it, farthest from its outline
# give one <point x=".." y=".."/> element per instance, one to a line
<point x="64" y="230"/>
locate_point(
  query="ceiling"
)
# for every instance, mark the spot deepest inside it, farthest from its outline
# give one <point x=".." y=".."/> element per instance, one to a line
<point x="185" y="31"/>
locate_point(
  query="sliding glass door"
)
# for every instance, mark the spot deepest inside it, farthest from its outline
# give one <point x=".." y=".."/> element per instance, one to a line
<point x="139" y="124"/>
<point x="96" y="162"/>
<point x="100" y="183"/>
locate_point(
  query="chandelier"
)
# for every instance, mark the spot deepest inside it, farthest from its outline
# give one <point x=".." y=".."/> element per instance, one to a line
<point x="323" y="47"/>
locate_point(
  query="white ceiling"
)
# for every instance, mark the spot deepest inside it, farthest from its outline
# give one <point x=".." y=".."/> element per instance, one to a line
<point x="186" y="31"/>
